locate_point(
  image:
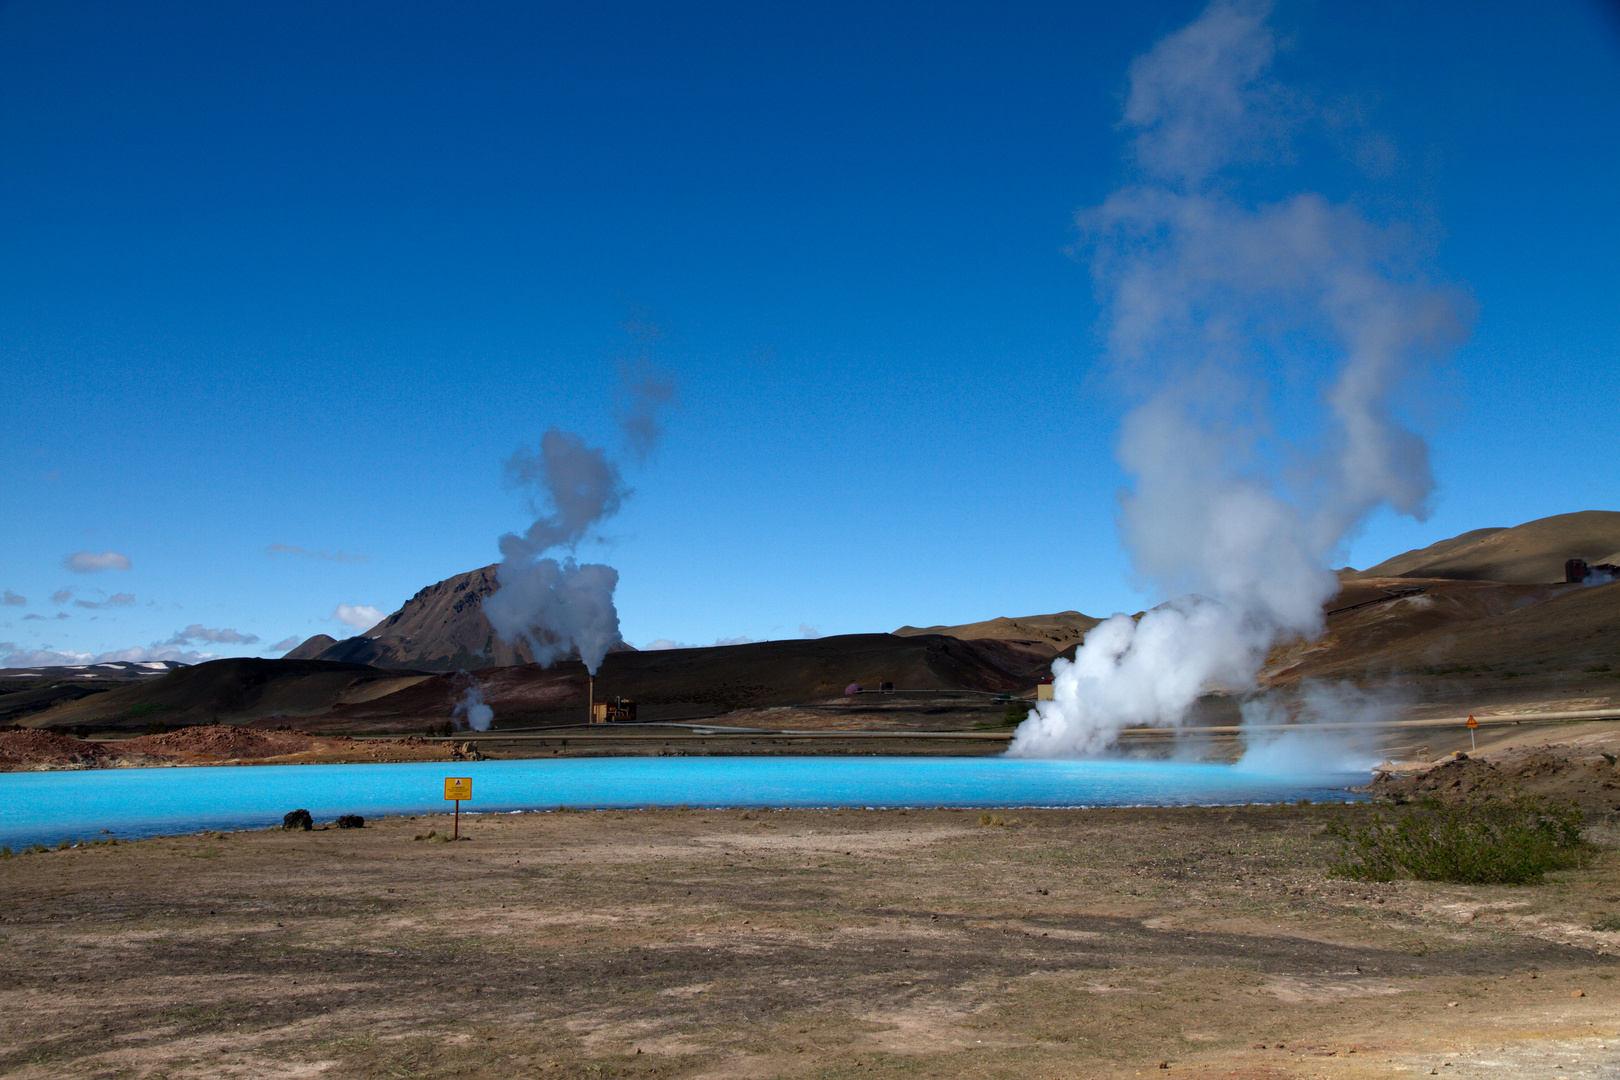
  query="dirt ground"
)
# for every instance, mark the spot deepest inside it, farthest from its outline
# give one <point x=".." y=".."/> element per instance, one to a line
<point x="1577" y="763"/>
<point x="814" y="944"/>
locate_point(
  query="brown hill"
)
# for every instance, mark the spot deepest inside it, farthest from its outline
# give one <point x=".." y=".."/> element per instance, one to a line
<point x="311" y="648"/>
<point x="1531" y="553"/>
<point x="1459" y="646"/>
<point x="1045" y="635"/>
<point x="681" y="683"/>
<point x="441" y="628"/>
<point x="1487" y="624"/>
<point x="237" y="689"/>
<point x="32" y="690"/>
<point x="668" y="684"/>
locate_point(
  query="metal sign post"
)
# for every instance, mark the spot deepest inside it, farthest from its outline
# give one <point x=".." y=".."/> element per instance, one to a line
<point x="457" y="788"/>
<point x="1472" y="724"/>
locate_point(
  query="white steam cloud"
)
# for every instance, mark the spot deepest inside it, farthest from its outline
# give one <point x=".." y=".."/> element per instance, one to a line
<point x="645" y="389"/>
<point x="479" y="715"/>
<point x="554" y="606"/>
<point x="558" y="606"/>
<point x="1205" y="293"/>
<point x="1321" y="727"/>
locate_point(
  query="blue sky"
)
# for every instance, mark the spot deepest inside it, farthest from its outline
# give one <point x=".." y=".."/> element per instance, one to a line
<point x="281" y="288"/>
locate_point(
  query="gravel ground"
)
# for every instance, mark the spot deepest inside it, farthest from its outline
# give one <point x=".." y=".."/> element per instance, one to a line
<point x="683" y="943"/>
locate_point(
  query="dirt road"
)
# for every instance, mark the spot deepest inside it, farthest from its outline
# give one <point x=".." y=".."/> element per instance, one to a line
<point x="796" y="944"/>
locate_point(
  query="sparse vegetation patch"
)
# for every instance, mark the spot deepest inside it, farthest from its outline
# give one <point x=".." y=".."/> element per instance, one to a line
<point x="1510" y="842"/>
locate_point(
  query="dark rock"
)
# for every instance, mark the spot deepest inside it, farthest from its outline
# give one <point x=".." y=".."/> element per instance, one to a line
<point x="298" y="819"/>
<point x="351" y="821"/>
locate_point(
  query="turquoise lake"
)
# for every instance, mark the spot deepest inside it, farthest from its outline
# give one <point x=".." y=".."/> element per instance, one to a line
<point x="48" y="807"/>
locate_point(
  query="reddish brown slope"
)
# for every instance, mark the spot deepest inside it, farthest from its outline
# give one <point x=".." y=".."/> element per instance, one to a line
<point x="1463" y="645"/>
<point x="1042" y="636"/>
<point x="1529" y="553"/>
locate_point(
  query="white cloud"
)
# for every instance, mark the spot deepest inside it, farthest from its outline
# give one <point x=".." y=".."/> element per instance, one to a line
<point x="26" y="618"/>
<point x="196" y="633"/>
<point x="285" y="644"/>
<point x="14" y="656"/>
<point x="11" y="599"/>
<point x="89" y="562"/>
<point x="122" y="599"/>
<point x="808" y="631"/>
<point x="666" y="643"/>
<point x="62" y="596"/>
<point x="323" y="555"/>
<point x="359" y="616"/>
<point x="156" y="652"/>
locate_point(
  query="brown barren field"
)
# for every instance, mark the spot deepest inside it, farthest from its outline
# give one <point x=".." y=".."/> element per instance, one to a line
<point x="681" y="943"/>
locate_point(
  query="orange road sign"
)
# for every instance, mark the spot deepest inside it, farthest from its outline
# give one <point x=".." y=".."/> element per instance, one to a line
<point x="1472" y="722"/>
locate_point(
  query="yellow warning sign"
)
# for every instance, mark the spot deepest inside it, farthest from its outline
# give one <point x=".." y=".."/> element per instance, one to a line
<point x="457" y="787"/>
<point x="1472" y="722"/>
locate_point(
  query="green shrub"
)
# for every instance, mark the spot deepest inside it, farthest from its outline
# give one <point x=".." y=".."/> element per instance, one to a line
<point x="1505" y="843"/>
<point x="1610" y="924"/>
<point x="146" y="708"/>
<point x="156" y="727"/>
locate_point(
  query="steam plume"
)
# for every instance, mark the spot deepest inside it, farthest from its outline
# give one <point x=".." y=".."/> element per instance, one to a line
<point x="559" y="606"/>
<point x="1204" y="294"/>
<point x="645" y="389"/>
<point x="479" y="715"/>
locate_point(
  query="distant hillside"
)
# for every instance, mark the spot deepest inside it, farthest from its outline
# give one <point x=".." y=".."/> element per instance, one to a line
<point x="237" y="689"/>
<point x="1456" y="646"/>
<point x="311" y="648"/>
<point x="672" y="683"/>
<point x="1047" y="635"/>
<point x="441" y="628"/>
<point x="32" y="690"/>
<point x="669" y="683"/>
<point x="1528" y="554"/>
